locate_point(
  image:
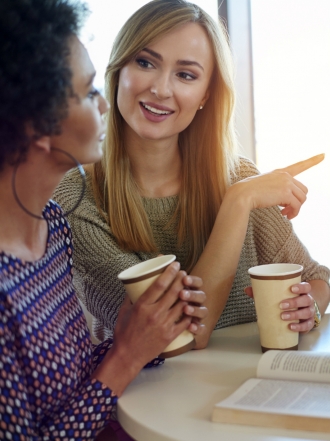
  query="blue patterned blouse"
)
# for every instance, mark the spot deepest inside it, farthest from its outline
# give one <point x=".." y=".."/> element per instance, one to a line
<point x="46" y="355"/>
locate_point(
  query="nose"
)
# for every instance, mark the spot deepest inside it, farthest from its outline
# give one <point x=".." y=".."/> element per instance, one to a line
<point x="161" y="87"/>
<point x="103" y="104"/>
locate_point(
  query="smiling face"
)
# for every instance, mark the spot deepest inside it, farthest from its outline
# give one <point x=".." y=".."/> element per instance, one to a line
<point x="162" y="88"/>
<point x="83" y="130"/>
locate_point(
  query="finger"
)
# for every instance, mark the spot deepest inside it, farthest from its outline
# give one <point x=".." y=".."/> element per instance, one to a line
<point x="303" y="327"/>
<point x="248" y="291"/>
<point x="197" y="328"/>
<point x="199" y="312"/>
<point x="301" y="166"/>
<point x="300" y="314"/>
<point x="172" y="295"/>
<point x="301" y="301"/>
<point x="161" y="284"/>
<point x="301" y="288"/>
<point x="193" y="296"/>
<point x="193" y="282"/>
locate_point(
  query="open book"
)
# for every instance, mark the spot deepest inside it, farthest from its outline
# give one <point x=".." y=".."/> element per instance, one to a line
<point x="292" y="391"/>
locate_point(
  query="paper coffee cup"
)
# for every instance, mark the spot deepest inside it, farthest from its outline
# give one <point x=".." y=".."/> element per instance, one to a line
<point x="137" y="280"/>
<point x="271" y="284"/>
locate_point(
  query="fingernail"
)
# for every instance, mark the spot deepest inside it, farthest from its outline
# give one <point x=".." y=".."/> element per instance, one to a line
<point x="294" y="289"/>
<point x="193" y="327"/>
<point x="185" y="294"/>
<point x="293" y="327"/>
<point x="176" y="265"/>
<point x="190" y="309"/>
<point x="284" y="305"/>
<point x="188" y="280"/>
<point x="285" y="316"/>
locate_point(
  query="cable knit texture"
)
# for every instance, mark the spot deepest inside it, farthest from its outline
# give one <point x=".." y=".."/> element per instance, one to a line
<point x="98" y="259"/>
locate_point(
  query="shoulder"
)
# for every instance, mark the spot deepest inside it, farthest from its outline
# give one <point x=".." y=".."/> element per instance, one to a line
<point x="244" y="169"/>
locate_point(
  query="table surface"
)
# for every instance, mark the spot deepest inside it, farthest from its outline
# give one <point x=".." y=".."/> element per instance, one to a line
<point x="175" y="401"/>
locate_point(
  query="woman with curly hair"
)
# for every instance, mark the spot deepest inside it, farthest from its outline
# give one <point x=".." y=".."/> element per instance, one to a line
<point x="54" y="384"/>
<point x="171" y="180"/>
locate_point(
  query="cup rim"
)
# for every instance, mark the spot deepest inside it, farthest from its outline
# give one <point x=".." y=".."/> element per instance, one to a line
<point x="130" y="273"/>
<point x="275" y="269"/>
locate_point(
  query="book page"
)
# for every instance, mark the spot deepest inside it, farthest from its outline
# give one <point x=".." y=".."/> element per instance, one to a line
<point x="281" y="397"/>
<point x="295" y="365"/>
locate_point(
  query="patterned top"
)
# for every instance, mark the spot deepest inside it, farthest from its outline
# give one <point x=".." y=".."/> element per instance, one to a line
<point x="98" y="258"/>
<point x="46" y="355"/>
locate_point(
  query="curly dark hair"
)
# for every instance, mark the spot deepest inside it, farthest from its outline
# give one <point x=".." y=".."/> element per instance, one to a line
<point x="35" y="76"/>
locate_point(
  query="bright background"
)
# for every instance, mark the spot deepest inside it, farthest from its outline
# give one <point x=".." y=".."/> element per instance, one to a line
<point x="291" y="90"/>
<point x="291" y="69"/>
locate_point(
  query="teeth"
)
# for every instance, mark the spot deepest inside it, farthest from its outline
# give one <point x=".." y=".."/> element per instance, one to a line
<point x="157" y="111"/>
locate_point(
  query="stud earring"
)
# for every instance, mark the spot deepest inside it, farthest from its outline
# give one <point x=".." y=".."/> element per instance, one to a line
<point x="200" y="107"/>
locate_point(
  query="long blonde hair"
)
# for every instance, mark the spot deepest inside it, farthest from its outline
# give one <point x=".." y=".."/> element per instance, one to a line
<point x="207" y="145"/>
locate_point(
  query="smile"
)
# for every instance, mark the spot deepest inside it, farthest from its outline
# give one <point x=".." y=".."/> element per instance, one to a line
<point x="156" y="111"/>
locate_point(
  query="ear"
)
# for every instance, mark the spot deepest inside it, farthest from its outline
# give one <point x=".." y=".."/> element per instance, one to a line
<point x="43" y="143"/>
<point x="206" y="97"/>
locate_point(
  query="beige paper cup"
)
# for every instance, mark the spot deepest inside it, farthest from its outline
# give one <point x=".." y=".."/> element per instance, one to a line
<point x="137" y="280"/>
<point x="271" y="284"/>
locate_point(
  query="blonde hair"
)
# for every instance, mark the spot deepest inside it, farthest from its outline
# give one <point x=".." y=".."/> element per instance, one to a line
<point x="207" y="145"/>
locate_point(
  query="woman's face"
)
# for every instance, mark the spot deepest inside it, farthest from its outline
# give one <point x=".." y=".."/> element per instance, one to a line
<point x="83" y="130"/>
<point x="162" y="88"/>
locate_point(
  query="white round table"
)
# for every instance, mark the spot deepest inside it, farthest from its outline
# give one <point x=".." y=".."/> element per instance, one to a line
<point x="175" y="401"/>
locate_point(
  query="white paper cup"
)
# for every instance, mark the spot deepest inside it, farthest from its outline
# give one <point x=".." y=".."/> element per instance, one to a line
<point x="271" y="284"/>
<point x="137" y="280"/>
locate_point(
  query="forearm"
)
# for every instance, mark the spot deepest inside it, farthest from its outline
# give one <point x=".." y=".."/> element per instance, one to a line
<point x="321" y="294"/>
<point x="218" y="262"/>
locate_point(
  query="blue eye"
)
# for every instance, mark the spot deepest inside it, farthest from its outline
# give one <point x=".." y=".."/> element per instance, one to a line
<point x="93" y="93"/>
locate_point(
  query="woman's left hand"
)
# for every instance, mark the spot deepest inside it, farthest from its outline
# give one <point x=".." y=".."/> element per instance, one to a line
<point x="195" y="308"/>
<point x="305" y="312"/>
<point x="303" y="303"/>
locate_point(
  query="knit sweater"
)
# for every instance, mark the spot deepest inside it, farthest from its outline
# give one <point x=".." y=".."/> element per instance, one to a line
<point x="98" y="258"/>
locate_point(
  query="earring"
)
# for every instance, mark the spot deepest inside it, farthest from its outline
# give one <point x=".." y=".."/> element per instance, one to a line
<point x="200" y="107"/>
<point x="83" y="178"/>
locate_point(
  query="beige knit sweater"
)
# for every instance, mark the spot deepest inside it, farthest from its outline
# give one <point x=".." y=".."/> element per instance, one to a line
<point x="98" y="259"/>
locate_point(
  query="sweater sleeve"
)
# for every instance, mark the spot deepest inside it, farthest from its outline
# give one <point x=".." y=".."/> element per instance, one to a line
<point x="275" y="238"/>
<point x="32" y="406"/>
<point x="97" y="257"/>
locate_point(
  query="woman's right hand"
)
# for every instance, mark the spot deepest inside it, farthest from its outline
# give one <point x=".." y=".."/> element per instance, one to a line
<point x="143" y="330"/>
<point x="275" y="188"/>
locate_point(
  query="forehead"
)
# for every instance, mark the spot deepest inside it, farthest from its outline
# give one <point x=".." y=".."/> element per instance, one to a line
<point x="81" y="66"/>
<point x="188" y="41"/>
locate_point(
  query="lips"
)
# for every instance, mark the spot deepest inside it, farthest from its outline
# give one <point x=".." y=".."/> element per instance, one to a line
<point x="155" y="112"/>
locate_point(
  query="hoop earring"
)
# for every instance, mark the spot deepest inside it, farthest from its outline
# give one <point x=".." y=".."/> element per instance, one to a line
<point x="83" y="178"/>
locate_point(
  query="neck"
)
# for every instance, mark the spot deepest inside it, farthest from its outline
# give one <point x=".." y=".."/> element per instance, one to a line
<point x="20" y="234"/>
<point x="156" y="167"/>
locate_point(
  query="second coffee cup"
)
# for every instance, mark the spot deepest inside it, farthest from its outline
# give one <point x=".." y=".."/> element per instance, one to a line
<point x="137" y="280"/>
<point x="271" y="284"/>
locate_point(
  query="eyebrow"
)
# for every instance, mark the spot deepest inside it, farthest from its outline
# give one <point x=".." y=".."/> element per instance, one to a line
<point x="179" y="62"/>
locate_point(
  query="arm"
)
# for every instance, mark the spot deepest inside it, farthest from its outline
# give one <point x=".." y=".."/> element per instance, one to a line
<point x="218" y="263"/>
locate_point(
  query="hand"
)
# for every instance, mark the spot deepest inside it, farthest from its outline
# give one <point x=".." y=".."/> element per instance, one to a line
<point x="144" y="329"/>
<point x="305" y="312"/>
<point x="275" y="188"/>
<point x="305" y="304"/>
<point x="195" y="308"/>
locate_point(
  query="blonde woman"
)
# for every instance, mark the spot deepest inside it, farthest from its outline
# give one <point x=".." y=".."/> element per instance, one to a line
<point x="171" y="180"/>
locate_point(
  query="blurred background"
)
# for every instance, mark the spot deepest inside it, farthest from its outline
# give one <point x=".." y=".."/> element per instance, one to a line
<point x="282" y="55"/>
